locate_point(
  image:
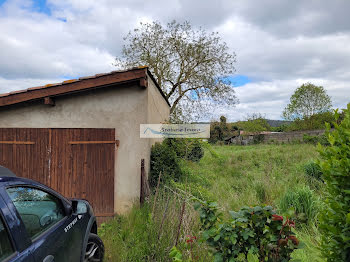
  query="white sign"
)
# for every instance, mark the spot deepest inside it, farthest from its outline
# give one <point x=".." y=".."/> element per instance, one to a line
<point x="175" y="130"/>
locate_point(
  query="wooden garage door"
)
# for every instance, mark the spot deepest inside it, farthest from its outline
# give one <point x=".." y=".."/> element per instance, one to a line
<point x="78" y="163"/>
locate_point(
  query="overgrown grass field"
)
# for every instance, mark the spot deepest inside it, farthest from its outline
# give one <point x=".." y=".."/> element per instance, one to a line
<point x="234" y="176"/>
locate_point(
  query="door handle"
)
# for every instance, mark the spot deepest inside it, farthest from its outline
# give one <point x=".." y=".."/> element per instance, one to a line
<point x="49" y="258"/>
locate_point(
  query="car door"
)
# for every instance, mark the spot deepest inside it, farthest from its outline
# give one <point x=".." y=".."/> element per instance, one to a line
<point x="13" y="247"/>
<point x="54" y="234"/>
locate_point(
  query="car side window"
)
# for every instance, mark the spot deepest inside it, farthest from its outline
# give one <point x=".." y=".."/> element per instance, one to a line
<point x="5" y="245"/>
<point x="38" y="210"/>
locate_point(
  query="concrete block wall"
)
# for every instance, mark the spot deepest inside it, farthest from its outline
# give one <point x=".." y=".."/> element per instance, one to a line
<point x="287" y="137"/>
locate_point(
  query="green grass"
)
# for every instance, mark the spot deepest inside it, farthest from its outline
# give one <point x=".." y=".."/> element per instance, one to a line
<point x="249" y="175"/>
<point x="233" y="176"/>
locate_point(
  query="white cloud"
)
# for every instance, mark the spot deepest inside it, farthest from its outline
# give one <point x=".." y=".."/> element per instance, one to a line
<point x="270" y="97"/>
<point x="279" y="45"/>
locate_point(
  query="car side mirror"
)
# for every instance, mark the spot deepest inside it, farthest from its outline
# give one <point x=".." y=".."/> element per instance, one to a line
<point x="79" y="207"/>
<point x="74" y="206"/>
<point x="68" y="209"/>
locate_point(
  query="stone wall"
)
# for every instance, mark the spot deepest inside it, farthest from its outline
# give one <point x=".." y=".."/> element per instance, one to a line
<point x="287" y="137"/>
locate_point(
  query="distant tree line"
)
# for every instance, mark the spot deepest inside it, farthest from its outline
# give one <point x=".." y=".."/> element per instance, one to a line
<point x="310" y="108"/>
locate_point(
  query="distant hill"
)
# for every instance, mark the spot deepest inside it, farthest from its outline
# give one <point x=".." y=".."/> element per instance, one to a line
<point x="277" y="123"/>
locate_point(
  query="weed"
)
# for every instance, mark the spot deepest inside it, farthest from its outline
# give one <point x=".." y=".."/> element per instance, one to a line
<point x="313" y="170"/>
<point x="260" y="192"/>
<point x="304" y="202"/>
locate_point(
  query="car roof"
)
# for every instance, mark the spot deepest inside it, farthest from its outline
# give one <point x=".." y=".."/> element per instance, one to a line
<point x="5" y="172"/>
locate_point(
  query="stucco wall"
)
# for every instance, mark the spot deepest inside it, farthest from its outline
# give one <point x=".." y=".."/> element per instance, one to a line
<point x="122" y="108"/>
<point x="158" y="109"/>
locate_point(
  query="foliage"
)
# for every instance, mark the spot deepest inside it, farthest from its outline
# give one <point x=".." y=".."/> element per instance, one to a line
<point x="303" y="201"/>
<point x="230" y="175"/>
<point x="148" y="232"/>
<point x="310" y="237"/>
<point x="335" y="165"/>
<point x="190" y="65"/>
<point x="164" y="160"/>
<point x="186" y="148"/>
<point x="316" y="121"/>
<point x="175" y="254"/>
<point x="313" y="170"/>
<point x="254" y="123"/>
<point x="219" y="131"/>
<point x="281" y="128"/>
<point x="197" y="151"/>
<point x="252" y="230"/>
<point x="306" y="101"/>
<point x="322" y="139"/>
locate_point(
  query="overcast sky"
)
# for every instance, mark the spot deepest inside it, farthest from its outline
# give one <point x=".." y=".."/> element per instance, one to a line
<point x="279" y="44"/>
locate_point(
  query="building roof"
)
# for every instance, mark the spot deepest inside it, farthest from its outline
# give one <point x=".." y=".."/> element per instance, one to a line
<point x="137" y="75"/>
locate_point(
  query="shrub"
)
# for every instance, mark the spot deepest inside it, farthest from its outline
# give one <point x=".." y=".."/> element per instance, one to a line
<point x="166" y="157"/>
<point x="164" y="160"/>
<point x="250" y="231"/>
<point x="313" y="170"/>
<point x="303" y="201"/>
<point x="310" y="139"/>
<point x="189" y="149"/>
<point x="196" y="152"/>
<point x="315" y="139"/>
<point x="335" y="217"/>
<point x="316" y="121"/>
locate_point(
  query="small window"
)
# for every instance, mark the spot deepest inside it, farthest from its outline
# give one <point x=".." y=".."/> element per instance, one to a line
<point x="38" y="209"/>
<point x="5" y="245"/>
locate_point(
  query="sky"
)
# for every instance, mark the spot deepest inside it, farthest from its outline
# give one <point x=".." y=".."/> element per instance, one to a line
<point x="280" y="44"/>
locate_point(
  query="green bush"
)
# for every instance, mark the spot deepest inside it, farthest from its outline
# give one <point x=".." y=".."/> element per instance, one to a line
<point x="335" y="217"/>
<point x="196" y="152"/>
<point x="322" y="139"/>
<point x="166" y="157"/>
<point x="313" y="170"/>
<point x="252" y="231"/>
<point x="188" y="148"/>
<point x="303" y="201"/>
<point x="313" y="122"/>
<point x="164" y="160"/>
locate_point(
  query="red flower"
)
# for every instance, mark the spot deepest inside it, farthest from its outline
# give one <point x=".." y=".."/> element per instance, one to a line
<point x="190" y="239"/>
<point x="277" y="218"/>
<point x="291" y="223"/>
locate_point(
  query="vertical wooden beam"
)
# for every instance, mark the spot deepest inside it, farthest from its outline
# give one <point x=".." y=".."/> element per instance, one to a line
<point x="142" y="189"/>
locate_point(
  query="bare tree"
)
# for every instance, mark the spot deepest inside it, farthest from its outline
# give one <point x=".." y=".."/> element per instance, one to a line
<point x="190" y="65"/>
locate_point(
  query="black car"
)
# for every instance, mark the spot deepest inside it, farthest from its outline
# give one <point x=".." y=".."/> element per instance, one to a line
<point x="39" y="224"/>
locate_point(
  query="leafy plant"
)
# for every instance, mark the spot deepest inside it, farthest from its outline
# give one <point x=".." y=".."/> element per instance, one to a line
<point x="164" y="160"/>
<point x="335" y="165"/>
<point x="303" y="201"/>
<point x="196" y="152"/>
<point x="186" y="148"/>
<point x="255" y="231"/>
<point x="175" y="254"/>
